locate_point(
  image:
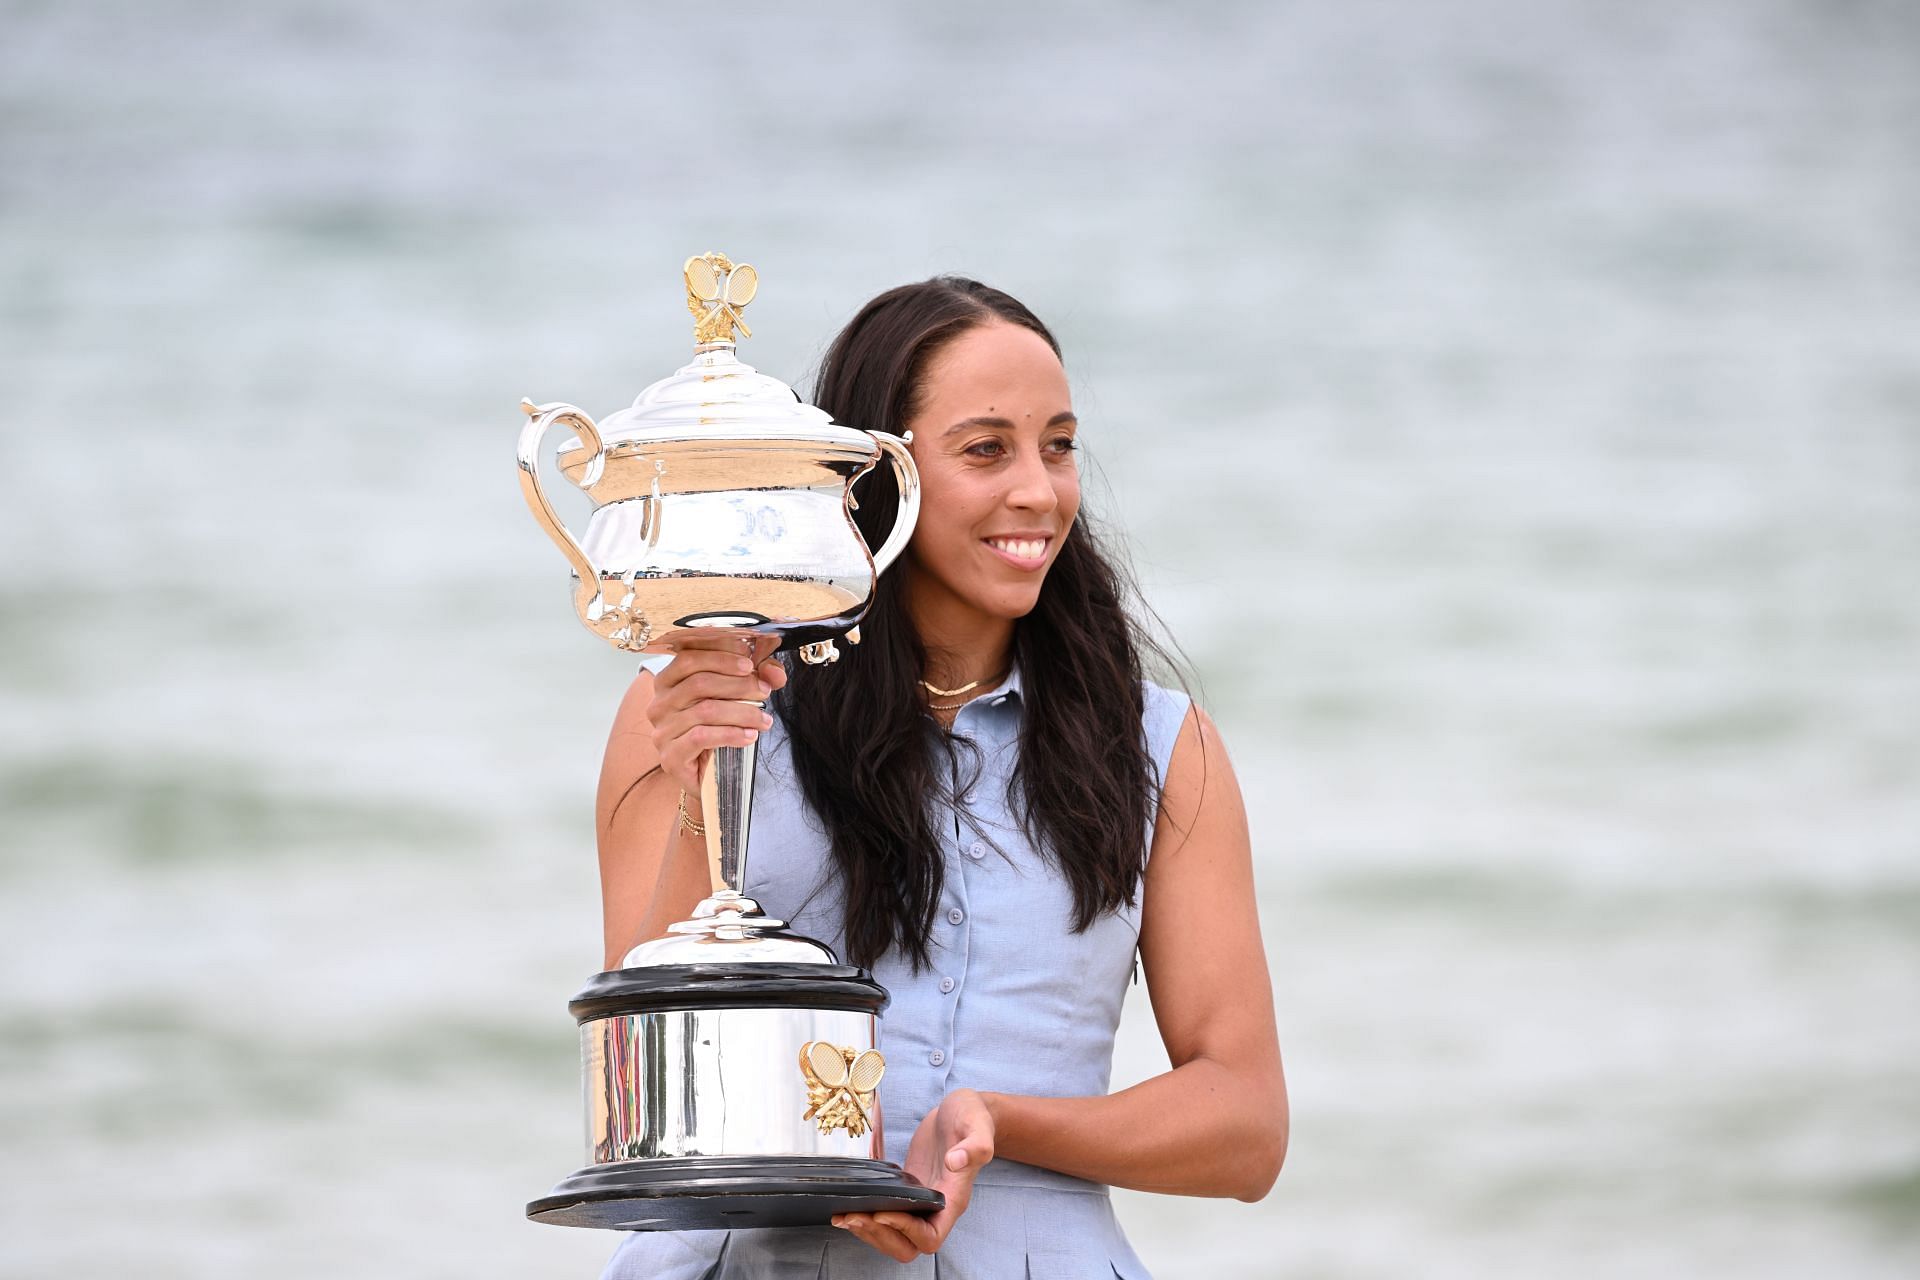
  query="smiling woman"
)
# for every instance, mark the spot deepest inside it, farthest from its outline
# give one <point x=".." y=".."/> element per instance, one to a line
<point x="988" y="805"/>
<point x="1003" y="479"/>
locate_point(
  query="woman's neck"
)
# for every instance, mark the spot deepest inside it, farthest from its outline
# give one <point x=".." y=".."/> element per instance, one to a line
<point x="959" y="671"/>
<point x="963" y="645"/>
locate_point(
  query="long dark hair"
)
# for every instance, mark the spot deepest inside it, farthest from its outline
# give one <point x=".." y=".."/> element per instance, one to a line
<point x="863" y="744"/>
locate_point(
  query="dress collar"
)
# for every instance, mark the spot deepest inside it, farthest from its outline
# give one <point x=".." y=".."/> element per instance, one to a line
<point x="1009" y="689"/>
<point x="1006" y="696"/>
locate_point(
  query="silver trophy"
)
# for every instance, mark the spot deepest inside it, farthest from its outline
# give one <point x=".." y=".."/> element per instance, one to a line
<point x="731" y="1067"/>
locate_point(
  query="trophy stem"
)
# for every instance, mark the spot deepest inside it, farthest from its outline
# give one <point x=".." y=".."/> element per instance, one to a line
<point x="726" y="794"/>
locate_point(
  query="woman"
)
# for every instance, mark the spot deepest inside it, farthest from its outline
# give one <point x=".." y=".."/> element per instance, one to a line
<point x="985" y="804"/>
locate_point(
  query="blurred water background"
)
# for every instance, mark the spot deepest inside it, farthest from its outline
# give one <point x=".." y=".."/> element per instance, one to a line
<point x="1514" y="409"/>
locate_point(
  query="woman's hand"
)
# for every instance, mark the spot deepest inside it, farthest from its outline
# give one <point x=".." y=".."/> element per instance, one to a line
<point x="701" y="700"/>
<point x="1215" y="1125"/>
<point x="948" y="1151"/>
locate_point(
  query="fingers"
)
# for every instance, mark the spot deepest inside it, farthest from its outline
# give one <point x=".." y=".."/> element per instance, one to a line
<point x="703" y="685"/>
<point x="721" y="673"/>
<point x="885" y="1238"/>
<point x="706" y="698"/>
<point x="914" y="1229"/>
<point x="765" y="646"/>
<point x="712" y="713"/>
<point x="971" y="1152"/>
<point x="972" y="1145"/>
<point x="685" y="740"/>
<point x="689" y="663"/>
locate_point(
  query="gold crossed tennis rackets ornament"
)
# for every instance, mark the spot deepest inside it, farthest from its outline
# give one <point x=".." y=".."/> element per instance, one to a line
<point x="716" y="290"/>
<point x="840" y="1085"/>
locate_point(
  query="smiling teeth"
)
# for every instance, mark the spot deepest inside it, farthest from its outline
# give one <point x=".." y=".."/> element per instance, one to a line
<point x="1020" y="548"/>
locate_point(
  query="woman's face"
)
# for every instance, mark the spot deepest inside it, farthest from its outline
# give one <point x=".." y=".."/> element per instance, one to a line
<point x="999" y="485"/>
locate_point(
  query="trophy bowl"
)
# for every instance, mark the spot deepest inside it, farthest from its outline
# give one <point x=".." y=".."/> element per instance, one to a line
<point x="722" y="503"/>
<point x="730" y="1067"/>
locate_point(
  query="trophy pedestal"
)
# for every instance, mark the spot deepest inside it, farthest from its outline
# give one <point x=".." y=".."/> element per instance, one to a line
<point x="729" y="1193"/>
<point x="731" y="1093"/>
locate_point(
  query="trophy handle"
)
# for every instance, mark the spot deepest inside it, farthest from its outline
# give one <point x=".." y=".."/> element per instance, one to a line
<point x="908" y="476"/>
<point x="539" y="418"/>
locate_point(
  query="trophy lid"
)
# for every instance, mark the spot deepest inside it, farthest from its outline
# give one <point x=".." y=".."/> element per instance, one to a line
<point x="717" y="396"/>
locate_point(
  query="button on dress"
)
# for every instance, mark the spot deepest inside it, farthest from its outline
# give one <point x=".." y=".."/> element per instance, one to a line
<point x="1014" y="1001"/>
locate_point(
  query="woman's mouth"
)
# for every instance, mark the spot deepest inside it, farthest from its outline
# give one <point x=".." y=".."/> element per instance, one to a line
<point x="1022" y="553"/>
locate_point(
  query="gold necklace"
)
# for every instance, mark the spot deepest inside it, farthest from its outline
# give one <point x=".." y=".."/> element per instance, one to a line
<point x="968" y="687"/>
<point x="938" y="692"/>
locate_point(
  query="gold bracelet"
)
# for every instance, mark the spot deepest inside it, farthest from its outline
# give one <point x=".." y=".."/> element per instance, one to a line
<point x="687" y="824"/>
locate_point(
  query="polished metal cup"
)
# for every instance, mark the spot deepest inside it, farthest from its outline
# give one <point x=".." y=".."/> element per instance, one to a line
<point x="731" y="1067"/>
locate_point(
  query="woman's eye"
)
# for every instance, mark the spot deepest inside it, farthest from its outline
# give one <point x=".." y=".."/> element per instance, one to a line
<point x="1064" y="444"/>
<point x="985" y="449"/>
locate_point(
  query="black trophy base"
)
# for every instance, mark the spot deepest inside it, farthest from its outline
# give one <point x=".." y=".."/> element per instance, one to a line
<point x="721" y="1193"/>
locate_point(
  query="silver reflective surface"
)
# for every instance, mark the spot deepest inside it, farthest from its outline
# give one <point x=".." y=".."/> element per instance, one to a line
<point x="714" y="1082"/>
<point x="726" y="796"/>
<point x="728" y="928"/>
<point x="720" y="501"/>
<point x="722" y="512"/>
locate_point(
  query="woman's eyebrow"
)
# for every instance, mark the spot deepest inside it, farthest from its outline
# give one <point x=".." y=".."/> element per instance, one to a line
<point x="1005" y="424"/>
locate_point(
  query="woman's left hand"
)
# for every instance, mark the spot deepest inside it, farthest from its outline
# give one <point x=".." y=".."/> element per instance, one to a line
<point x="948" y="1151"/>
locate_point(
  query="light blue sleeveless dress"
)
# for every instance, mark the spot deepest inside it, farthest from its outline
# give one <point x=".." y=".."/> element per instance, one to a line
<point x="1015" y="1002"/>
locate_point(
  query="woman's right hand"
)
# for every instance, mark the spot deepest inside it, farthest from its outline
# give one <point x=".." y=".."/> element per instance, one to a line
<point x="701" y="700"/>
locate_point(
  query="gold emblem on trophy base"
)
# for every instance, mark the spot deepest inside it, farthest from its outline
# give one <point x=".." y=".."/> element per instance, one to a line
<point x="840" y="1085"/>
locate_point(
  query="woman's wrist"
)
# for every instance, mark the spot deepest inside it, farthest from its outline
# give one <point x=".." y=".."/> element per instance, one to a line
<point x="689" y="820"/>
<point x="996" y="1105"/>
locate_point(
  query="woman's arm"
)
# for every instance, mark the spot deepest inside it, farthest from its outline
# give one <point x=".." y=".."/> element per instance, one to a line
<point x="652" y="872"/>
<point x="1216" y="1124"/>
<point x="636" y="825"/>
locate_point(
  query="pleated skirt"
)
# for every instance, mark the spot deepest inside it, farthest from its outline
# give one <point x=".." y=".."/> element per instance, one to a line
<point x="1009" y="1232"/>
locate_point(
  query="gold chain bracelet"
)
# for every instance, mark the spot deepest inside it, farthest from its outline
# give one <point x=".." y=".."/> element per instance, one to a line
<point x="687" y="824"/>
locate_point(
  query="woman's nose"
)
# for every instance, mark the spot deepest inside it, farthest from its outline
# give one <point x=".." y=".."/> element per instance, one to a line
<point x="1032" y="488"/>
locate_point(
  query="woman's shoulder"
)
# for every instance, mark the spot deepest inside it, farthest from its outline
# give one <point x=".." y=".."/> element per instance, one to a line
<point x="1163" y="714"/>
<point x="1165" y="700"/>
